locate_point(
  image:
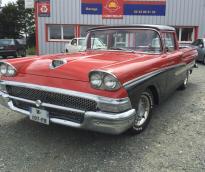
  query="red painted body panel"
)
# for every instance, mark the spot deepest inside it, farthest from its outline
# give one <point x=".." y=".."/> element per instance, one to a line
<point x="74" y="75"/>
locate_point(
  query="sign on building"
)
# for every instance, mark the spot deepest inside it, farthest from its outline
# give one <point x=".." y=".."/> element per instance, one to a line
<point x="119" y="8"/>
<point x="44" y="8"/>
<point x="29" y="4"/>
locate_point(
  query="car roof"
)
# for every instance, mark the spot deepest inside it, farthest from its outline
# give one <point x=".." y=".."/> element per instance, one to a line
<point x="156" y="27"/>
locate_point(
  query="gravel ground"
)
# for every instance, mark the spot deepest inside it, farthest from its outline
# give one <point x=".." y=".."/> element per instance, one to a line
<point x="174" y="141"/>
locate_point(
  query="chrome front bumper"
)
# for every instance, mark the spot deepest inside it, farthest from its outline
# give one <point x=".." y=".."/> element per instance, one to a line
<point x="111" y="123"/>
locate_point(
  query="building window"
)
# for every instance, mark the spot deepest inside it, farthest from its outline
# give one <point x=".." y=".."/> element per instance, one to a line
<point x="84" y="29"/>
<point x="185" y="34"/>
<point x="61" y="32"/>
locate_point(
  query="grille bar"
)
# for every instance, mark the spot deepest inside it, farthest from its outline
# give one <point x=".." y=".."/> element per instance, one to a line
<point x="52" y="98"/>
<point x="53" y="113"/>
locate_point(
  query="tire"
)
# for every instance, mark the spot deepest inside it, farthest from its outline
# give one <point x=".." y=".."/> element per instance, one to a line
<point x="143" y="110"/>
<point x="23" y="53"/>
<point x="204" y="60"/>
<point x="185" y="82"/>
<point x="16" y="54"/>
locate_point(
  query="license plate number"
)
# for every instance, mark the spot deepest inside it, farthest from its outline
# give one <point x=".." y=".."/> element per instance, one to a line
<point x="39" y="115"/>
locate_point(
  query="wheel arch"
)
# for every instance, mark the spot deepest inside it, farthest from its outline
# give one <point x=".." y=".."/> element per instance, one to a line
<point x="155" y="94"/>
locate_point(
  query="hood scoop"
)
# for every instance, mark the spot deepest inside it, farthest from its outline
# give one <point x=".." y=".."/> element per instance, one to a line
<point x="57" y="63"/>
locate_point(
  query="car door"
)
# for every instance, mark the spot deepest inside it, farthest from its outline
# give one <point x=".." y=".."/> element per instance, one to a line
<point x="199" y="44"/>
<point x="73" y="46"/>
<point x="174" y="65"/>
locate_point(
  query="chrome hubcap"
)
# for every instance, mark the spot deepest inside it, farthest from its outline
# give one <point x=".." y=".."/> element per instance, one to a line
<point x="186" y="81"/>
<point x="143" y="111"/>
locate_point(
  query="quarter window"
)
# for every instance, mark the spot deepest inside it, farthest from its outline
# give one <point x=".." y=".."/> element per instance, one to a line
<point x="169" y="42"/>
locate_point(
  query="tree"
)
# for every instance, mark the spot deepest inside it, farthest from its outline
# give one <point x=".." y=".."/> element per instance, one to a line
<point x="9" y="22"/>
<point x="26" y="19"/>
<point x="16" y="21"/>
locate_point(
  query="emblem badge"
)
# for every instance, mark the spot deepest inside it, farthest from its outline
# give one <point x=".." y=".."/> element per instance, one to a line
<point x="38" y="103"/>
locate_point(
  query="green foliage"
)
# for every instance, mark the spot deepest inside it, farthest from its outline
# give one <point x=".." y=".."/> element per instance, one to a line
<point x="16" y="21"/>
<point x="31" y="51"/>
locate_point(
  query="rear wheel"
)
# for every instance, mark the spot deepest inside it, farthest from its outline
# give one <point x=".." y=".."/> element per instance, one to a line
<point x="143" y="115"/>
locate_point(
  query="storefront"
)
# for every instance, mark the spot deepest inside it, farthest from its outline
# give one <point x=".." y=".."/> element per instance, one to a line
<point x="58" y="21"/>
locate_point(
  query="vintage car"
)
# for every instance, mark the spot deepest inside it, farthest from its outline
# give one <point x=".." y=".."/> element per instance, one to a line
<point x="79" y="44"/>
<point x="199" y="44"/>
<point x="109" y="90"/>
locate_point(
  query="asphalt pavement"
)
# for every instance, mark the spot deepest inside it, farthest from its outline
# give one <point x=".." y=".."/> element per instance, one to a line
<point x="174" y="141"/>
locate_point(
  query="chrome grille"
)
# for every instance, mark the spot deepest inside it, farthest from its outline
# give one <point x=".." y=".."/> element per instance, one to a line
<point x="52" y="98"/>
<point x="53" y="113"/>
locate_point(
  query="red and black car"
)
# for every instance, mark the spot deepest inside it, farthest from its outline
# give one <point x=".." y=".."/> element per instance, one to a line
<point x="11" y="47"/>
<point x="108" y="89"/>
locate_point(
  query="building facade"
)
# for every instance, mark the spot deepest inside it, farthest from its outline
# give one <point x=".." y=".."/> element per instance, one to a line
<point x="58" y="21"/>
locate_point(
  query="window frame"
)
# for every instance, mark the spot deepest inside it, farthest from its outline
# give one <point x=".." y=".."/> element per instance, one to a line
<point x="180" y="34"/>
<point x="175" y="40"/>
<point x="48" y="39"/>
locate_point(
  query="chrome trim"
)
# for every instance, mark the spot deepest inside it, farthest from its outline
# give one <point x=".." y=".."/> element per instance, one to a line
<point x="128" y="28"/>
<point x="96" y="98"/>
<point x="46" y="104"/>
<point x="151" y="74"/>
<point x="105" y="73"/>
<point x="111" y="123"/>
<point x="57" y="90"/>
<point x="8" y="64"/>
<point x="62" y="60"/>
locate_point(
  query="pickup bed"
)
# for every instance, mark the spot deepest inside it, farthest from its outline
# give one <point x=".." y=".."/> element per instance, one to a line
<point x="110" y="88"/>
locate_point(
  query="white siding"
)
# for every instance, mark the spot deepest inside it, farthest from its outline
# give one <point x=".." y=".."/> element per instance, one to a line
<point x="178" y="13"/>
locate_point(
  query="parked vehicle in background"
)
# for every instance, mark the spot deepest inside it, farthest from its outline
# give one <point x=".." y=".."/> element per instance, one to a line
<point x="11" y="47"/>
<point x="110" y="88"/>
<point x="79" y="44"/>
<point x="200" y="46"/>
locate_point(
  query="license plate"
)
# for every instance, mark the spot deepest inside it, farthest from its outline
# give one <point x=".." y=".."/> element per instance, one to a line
<point x="39" y="115"/>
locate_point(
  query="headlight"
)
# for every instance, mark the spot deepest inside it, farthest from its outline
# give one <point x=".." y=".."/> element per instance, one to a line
<point x="6" y="69"/>
<point x="104" y="81"/>
<point x="96" y="80"/>
<point x="110" y="82"/>
<point x="3" y="69"/>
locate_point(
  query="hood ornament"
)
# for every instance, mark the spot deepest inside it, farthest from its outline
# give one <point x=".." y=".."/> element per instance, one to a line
<point x="57" y="63"/>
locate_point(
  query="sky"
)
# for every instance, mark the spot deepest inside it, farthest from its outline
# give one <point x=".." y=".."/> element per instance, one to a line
<point x="6" y="1"/>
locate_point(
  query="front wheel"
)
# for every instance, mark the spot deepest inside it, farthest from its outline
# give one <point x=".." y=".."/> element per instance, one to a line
<point x="143" y="110"/>
<point x="185" y="83"/>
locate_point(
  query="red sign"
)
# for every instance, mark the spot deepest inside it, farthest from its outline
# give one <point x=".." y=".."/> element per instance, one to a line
<point x="44" y="9"/>
<point x="112" y="9"/>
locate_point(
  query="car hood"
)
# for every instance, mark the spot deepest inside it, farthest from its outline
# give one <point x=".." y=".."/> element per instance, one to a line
<point x="78" y="65"/>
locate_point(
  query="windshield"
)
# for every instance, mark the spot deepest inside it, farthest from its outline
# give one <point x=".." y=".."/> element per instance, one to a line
<point x="6" y="42"/>
<point x="81" y="42"/>
<point x="141" y="40"/>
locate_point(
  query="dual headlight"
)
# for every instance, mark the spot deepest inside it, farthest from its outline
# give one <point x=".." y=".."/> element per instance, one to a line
<point x="6" y="69"/>
<point x="104" y="81"/>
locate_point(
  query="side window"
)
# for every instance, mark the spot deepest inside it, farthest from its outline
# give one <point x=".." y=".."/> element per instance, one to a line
<point x="74" y="42"/>
<point x="169" y="41"/>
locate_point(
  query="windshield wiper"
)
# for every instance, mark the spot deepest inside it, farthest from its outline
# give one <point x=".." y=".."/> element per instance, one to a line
<point x="122" y="49"/>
